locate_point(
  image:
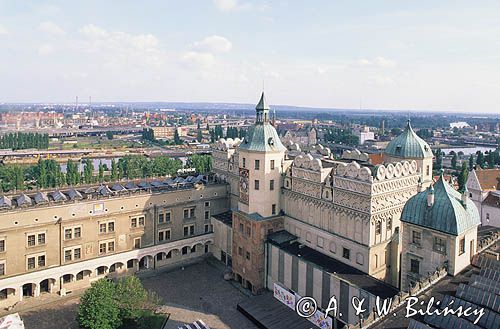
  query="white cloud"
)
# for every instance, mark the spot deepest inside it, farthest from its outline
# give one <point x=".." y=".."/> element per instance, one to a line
<point x="378" y="62"/>
<point x="45" y="50"/>
<point x="122" y="48"/>
<point x="226" y="5"/>
<point x="213" y="43"/>
<point x="198" y="59"/>
<point x="3" y="30"/>
<point x="51" y="28"/>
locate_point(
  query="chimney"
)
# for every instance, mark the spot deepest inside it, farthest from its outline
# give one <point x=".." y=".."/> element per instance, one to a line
<point x="430" y="197"/>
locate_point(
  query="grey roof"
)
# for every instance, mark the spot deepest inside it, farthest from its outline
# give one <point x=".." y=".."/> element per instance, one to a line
<point x="5" y="202"/>
<point x="58" y="196"/>
<point x="408" y="145"/>
<point x="144" y="185"/>
<point x="104" y="190"/>
<point x="23" y="199"/>
<point x="73" y="194"/>
<point x="131" y="186"/>
<point x="41" y="197"/>
<point x="118" y="187"/>
<point x="447" y="214"/>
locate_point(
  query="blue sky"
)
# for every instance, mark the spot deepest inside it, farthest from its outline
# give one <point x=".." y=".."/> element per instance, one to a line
<point x="408" y="55"/>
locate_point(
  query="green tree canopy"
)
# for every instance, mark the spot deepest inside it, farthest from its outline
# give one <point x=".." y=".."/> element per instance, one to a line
<point x="98" y="307"/>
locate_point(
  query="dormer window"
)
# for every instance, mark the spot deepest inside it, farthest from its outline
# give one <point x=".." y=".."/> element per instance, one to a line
<point x="270" y="141"/>
<point x="398" y="149"/>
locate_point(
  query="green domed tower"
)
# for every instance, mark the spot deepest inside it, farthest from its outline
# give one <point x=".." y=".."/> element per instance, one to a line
<point x="409" y="146"/>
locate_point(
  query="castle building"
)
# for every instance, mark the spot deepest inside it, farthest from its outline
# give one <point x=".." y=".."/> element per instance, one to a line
<point x="59" y="241"/>
<point x="439" y="228"/>
<point x="314" y="224"/>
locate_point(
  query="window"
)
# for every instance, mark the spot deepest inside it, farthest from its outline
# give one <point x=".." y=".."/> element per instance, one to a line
<point x="102" y="248"/>
<point x="2" y="269"/>
<point x="188" y="213"/>
<point x="68" y="255"/>
<point x="31" y="240"/>
<point x="272" y="164"/>
<point x="107" y="227"/>
<point x="41" y="238"/>
<point x="416" y="237"/>
<point x="77" y="232"/>
<point x="111" y="246"/>
<point x="414" y="266"/>
<point x="2" y="245"/>
<point x="249" y="231"/>
<point x="389" y="223"/>
<point x="41" y="261"/>
<point x="184" y="250"/>
<point x="240" y="251"/>
<point x="77" y="253"/>
<point x="168" y="216"/>
<point x="461" y="246"/>
<point x="68" y="234"/>
<point x="378" y="227"/>
<point x="206" y="249"/>
<point x="207" y="204"/>
<point x="193" y="249"/>
<point x="244" y="163"/>
<point x="256" y="183"/>
<point x="161" y="218"/>
<point x="72" y="233"/>
<point x="439" y="244"/>
<point x="346" y="253"/>
<point x="241" y="228"/>
<point x="257" y="164"/>
<point x="247" y="255"/>
<point x="428" y="170"/>
<point x="271" y="184"/>
<point x="137" y="221"/>
<point x="207" y="214"/>
<point x="207" y="228"/>
<point x="188" y="230"/>
<point x="31" y="263"/>
<point x="273" y="209"/>
<point x="164" y="235"/>
<point x="137" y="243"/>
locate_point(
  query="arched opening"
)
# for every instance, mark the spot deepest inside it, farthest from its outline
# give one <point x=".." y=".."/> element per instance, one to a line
<point x="83" y="274"/>
<point x="146" y="262"/>
<point x="131" y="264"/>
<point x="67" y="278"/>
<point x="116" y="267"/>
<point x="185" y="250"/>
<point x="101" y="270"/>
<point x="29" y="290"/>
<point x="161" y="256"/>
<point x="6" y="293"/>
<point x="46" y="285"/>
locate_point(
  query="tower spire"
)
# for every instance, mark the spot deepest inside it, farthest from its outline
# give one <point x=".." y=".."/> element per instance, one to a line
<point x="262" y="110"/>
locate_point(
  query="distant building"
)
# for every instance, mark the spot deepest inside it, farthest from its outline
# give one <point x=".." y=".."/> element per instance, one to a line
<point x="364" y="134"/>
<point x="480" y="184"/>
<point x="459" y="125"/>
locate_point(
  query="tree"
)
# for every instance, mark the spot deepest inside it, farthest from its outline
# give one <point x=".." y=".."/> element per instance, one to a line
<point x="177" y="138"/>
<point x="114" y="170"/>
<point x="98" y="307"/>
<point x="480" y="159"/>
<point x="101" y="172"/>
<point x="201" y="162"/>
<point x="462" y="176"/>
<point x="439" y="160"/>
<point x="471" y="162"/>
<point x="88" y="171"/>
<point x="199" y="135"/>
<point x="454" y="160"/>
<point x="109" y="134"/>
<point x="133" y="298"/>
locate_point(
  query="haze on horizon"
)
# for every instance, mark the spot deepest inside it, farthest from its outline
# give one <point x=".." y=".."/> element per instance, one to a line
<point x="436" y="56"/>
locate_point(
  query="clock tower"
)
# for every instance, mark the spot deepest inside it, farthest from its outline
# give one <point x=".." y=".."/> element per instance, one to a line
<point x="261" y="158"/>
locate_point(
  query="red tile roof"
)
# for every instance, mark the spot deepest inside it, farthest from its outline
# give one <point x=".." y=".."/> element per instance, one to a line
<point x="489" y="179"/>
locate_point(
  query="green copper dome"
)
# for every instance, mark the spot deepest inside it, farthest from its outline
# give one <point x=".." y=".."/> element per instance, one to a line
<point x="262" y="136"/>
<point x="408" y="145"/>
<point x="447" y="213"/>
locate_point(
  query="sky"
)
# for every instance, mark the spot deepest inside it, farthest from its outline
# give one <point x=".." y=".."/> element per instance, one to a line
<point x="406" y="55"/>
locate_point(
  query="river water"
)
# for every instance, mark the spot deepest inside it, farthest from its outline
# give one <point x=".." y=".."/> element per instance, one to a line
<point x="468" y="150"/>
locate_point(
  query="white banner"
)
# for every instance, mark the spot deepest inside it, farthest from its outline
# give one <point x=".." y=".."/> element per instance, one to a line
<point x="284" y="296"/>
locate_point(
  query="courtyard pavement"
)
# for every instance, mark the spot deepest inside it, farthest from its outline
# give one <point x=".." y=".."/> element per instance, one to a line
<point x="197" y="291"/>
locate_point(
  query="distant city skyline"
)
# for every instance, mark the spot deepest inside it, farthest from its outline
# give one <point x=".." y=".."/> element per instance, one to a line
<point x="322" y="54"/>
